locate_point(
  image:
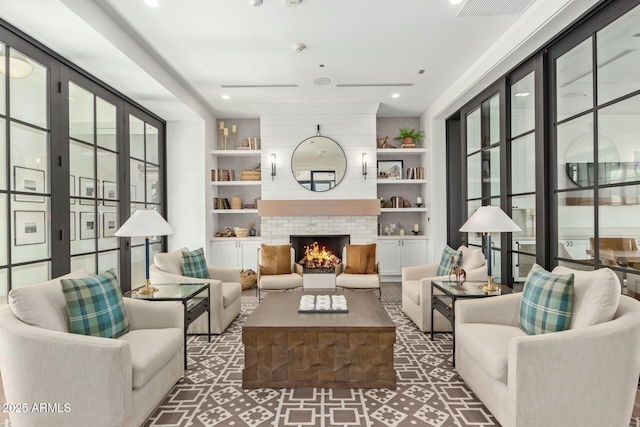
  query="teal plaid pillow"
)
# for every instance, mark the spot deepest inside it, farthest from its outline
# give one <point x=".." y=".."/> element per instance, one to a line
<point x="446" y="262"/>
<point x="194" y="264"/>
<point x="547" y="302"/>
<point x="95" y="306"/>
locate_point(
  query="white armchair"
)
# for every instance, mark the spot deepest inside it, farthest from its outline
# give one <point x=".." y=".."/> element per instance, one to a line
<point x="112" y="382"/>
<point x="416" y="288"/>
<point x="358" y="281"/>
<point x="582" y="377"/>
<point x="277" y="282"/>
<point x="224" y="288"/>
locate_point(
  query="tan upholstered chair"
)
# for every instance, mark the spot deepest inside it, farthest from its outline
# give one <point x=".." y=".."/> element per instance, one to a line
<point x="106" y="382"/>
<point x="277" y="282"/>
<point x="358" y="281"/>
<point x="416" y="288"/>
<point x="224" y="288"/>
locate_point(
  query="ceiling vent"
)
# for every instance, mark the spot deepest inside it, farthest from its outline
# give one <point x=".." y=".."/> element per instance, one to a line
<point x="255" y="86"/>
<point x="375" y="85"/>
<point x="493" y="7"/>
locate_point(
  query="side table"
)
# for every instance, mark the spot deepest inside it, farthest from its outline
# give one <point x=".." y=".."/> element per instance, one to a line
<point x="445" y="293"/>
<point x="192" y="298"/>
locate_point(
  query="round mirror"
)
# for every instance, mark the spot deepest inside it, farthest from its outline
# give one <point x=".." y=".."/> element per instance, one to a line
<point x="318" y="163"/>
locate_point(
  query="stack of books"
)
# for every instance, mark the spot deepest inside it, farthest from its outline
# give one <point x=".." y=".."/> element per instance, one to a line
<point x="415" y="173"/>
<point x="223" y="175"/>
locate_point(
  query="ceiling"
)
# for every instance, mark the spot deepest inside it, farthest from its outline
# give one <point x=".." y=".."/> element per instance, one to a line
<point x="176" y="59"/>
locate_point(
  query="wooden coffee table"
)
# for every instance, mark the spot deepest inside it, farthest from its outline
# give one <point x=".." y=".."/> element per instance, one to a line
<point x="287" y="349"/>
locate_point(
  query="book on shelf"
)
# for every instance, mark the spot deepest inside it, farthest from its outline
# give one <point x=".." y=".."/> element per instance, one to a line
<point x="221" y="203"/>
<point x="223" y="175"/>
<point x="415" y="173"/>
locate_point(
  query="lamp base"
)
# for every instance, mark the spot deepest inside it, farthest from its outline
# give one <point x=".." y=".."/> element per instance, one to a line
<point x="147" y="290"/>
<point x="490" y="287"/>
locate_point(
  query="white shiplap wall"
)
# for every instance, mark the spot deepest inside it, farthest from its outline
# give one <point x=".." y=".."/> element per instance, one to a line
<point x="284" y="126"/>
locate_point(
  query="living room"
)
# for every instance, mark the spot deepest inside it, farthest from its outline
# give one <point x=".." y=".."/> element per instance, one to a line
<point x="256" y="123"/>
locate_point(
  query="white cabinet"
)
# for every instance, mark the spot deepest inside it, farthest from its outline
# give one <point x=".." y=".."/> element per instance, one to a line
<point x="398" y="253"/>
<point x="235" y="253"/>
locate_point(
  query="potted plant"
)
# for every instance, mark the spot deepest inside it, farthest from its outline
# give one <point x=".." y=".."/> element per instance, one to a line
<point x="409" y="137"/>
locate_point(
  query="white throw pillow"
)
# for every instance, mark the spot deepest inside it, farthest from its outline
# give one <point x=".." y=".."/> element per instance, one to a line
<point x="596" y="296"/>
<point x="471" y="258"/>
<point x="43" y="305"/>
<point x="170" y="262"/>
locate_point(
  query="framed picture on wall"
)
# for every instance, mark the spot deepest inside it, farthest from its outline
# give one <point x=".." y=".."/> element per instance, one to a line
<point x="72" y="226"/>
<point x="133" y="196"/>
<point x="88" y="191"/>
<point x="109" y="193"/>
<point x="88" y="225"/>
<point x="72" y="189"/>
<point x="392" y="169"/>
<point x="109" y="224"/>
<point x="29" y="227"/>
<point x="29" y="181"/>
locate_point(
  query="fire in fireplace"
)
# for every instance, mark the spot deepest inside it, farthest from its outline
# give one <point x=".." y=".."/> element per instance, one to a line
<point x="318" y="257"/>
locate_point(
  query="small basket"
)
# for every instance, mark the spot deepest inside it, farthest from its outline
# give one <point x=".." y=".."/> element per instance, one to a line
<point x="248" y="278"/>
<point x="236" y="203"/>
<point x="241" y="232"/>
<point x="250" y="175"/>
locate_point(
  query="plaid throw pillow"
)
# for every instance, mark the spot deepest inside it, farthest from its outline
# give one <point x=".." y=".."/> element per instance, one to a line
<point x="194" y="264"/>
<point x="95" y="306"/>
<point x="446" y="262"/>
<point x="547" y="302"/>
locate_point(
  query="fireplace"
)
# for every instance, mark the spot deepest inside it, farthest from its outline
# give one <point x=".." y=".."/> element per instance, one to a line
<point x="333" y="243"/>
<point x="319" y="274"/>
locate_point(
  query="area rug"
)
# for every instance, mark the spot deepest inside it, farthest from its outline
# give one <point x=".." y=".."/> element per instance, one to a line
<point x="428" y="392"/>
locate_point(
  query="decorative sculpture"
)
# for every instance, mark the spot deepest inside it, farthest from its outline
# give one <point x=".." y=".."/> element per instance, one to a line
<point x="461" y="275"/>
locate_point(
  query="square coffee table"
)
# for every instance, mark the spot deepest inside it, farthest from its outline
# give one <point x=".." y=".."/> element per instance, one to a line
<point x="287" y="349"/>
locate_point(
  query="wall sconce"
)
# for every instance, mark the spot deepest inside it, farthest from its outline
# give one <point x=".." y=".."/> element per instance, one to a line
<point x="273" y="167"/>
<point x="364" y="165"/>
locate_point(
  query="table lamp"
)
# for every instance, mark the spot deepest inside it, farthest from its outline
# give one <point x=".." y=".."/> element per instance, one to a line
<point x="145" y="223"/>
<point x="487" y="220"/>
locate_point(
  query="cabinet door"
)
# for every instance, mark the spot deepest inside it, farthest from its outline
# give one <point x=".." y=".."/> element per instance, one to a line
<point x="390" y="260"/>
<point x="249" y="255"/>
<point x="225" y="254"/>
<point x="413" y="252"/>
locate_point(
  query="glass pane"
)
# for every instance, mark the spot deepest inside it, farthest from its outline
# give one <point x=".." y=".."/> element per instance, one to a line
<point x="618" y="57"/>
<point x="85" y="262"/>
<point x="575" y="153"/>
<point x="4" y="285"/>
<point x="474" y="181"/>
<point x="523" y="213"/>
<point x="28" y="90"/>
<point x="523" y="164"/>
<point x="3" y="78"/>
<point x="494" y="120"/>
<point x="618" y="147"/>
<point x="137" y="183"/>
<point x="522" y="265"/>
<point x="576" y="222"/>
<point x="491" y="172"/>
<point x="473" y="238"/>
<point x="153" y="193"/>
<point x="87" y="229"/>
<point x="474" y="137"/>
<point x="108" y="177"/>
<point x="496" y="265"/>
<point x="81" y="125"/>
<point x="618" y="225"/>
<point x="496" y="238"/>
<point x="31" y="274"/>
<point x="81" y="167"/>
<point x="106" y="126"/>
<point x="3" y="153"/>
<point x="152" y="145"/>
<point x="3" y="229"/>
<point x="574" y="81"/>
<point x="29" y="162"/>
<point x="136" y="138"/>
<point x="137" y="267"/>
<point x="523" y="105"/>
<point x="109" y="224"/>
<point x="30" y="231"/>
<point x="108" y="260"/>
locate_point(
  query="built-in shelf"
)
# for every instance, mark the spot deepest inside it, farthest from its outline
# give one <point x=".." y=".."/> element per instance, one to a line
<point x="409" y="236"/>
<point x="401" y="181"/>
<point x="403" y="209"/>
<point x="234" y="183"/>
<point x="235" y="153"/>
<point x="401" y="151"/>
<point x="235" y="211"/>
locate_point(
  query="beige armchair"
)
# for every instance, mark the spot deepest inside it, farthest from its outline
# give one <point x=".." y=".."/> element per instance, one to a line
<point x="105" y="382"/>
<point x="224" y="288"/>
<point x="358" y="281"/>
<point x="416" y="288"/>
<point x="277" y="282"/>
<point x="585" y="376"/>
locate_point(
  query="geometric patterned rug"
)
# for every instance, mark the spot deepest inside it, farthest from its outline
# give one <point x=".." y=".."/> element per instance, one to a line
<point x="428" y="392"/>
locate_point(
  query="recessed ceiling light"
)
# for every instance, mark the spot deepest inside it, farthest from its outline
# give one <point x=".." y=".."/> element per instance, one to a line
<point x="455" y="1"/>
<point x="255" y="2"/>
<point x="225" y="96"/>
<point x="395" y="95"/>
<point x="321" y="81"/>
<point x="152" y="3"/>
<point x="522" y="94"/>
<point x="292" y="3"/>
